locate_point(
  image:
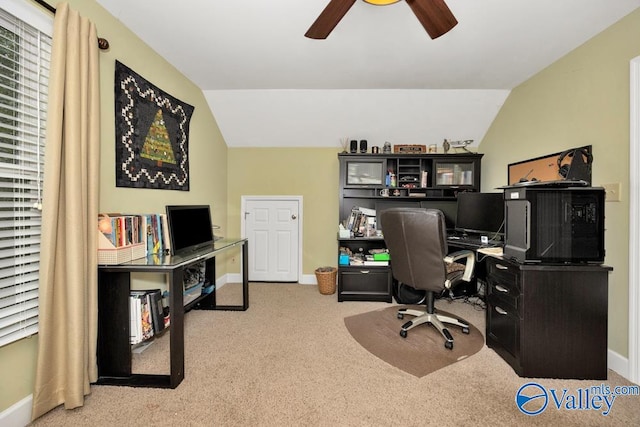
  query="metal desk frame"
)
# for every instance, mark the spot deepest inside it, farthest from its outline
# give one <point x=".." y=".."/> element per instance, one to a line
<point x="114" y="350"/>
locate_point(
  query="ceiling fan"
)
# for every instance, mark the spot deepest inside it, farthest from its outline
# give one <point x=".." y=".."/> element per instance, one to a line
<point x="434" y="15"/>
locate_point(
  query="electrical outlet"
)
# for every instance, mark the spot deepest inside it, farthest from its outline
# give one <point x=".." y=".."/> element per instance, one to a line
<point x="612" y="192"/>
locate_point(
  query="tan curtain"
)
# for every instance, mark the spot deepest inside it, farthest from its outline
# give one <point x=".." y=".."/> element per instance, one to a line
<point x="68" y="259"/>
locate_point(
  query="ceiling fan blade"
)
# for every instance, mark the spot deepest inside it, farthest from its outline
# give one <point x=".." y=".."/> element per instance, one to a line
<point x="329" y="18"/>
<point x="434" y="15"/>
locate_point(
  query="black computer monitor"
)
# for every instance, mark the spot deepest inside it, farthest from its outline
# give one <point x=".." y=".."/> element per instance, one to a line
<point x="448" y="208"/>
<point x="190" y="227"/>
<point x="480" y="213"/>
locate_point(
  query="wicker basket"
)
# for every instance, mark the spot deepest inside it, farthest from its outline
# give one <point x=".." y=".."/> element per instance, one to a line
<point x="326" y="277"/>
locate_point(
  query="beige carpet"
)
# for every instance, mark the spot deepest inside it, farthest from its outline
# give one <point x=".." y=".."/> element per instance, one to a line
<point x="422" y="352"/>
<point x="290" y="361"/>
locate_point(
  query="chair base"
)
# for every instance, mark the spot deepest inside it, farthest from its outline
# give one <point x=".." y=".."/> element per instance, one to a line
<point x="437" y="320"/>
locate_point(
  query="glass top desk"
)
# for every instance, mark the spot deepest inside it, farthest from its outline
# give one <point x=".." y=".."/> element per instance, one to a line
<point x="114" y="285"/>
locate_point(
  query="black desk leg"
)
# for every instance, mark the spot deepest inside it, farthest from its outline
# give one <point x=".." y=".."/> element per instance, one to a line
<point x="176" y="342"/>
<point x="245" y="276"/>
<point x="245" y="284"/>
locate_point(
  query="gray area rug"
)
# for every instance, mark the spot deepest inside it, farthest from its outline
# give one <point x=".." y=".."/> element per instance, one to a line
<point x="421" y="352"/>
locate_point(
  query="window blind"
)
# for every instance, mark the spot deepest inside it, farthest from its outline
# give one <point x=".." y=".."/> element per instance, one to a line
<point x="25" y="54"/>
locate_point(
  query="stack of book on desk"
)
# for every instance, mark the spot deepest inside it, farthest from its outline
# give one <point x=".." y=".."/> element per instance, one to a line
<point x="361" y="222"/>
<point x="124" y="237"/>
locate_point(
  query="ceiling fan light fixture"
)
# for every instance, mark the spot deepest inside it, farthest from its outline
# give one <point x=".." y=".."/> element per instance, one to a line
<point x="434" y="15"/>
<point x="381" y="2"/>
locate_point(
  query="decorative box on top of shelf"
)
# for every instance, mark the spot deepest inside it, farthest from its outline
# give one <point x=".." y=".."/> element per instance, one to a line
<point x="108" y="254"/>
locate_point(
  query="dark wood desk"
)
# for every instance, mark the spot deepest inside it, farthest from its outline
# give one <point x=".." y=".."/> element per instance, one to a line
<point x="548" y="321"/>
<point x="114" y="285"/>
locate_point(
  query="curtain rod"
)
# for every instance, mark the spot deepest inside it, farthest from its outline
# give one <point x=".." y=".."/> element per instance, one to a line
<point x="103" y="44"/>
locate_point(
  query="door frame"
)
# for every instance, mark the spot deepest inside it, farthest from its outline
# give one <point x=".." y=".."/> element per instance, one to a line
<point x="299" y="199"/>
<point x="633" y="373"/>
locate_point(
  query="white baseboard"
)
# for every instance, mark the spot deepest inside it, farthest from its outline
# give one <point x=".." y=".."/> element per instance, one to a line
<point x="229" y="278"/>
<point x="617" y="363"/>
<point x="223" y="280"/>
<point x="307" y="279"/>
<point x="18" y="414"/>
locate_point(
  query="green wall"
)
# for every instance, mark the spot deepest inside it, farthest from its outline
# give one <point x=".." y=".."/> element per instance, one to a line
<point x="582" y="99"/>
<point x="308" y="172"/>
<point x="208" y="166"/>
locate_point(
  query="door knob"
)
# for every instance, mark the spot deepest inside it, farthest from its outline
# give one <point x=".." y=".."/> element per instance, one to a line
<point x="293" y="216"/>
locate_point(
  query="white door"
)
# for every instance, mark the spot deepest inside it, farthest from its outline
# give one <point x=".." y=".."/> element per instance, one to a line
<point x="272" y="227"/>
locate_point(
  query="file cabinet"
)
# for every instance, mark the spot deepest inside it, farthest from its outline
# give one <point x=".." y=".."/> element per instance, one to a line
<point x="548" y="321"/>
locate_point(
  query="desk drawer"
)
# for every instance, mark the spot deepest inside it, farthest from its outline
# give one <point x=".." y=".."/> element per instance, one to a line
<point x="366" y="280"/>
<point x="503" y="325"/>
<point x="505" y="292"/>
<point x="364" y="283"/>
<point x="503" y="279"/>
<point x="502" y="269"/>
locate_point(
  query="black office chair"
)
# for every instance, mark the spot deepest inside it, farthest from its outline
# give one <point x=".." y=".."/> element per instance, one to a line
<point x="417" y="243"/>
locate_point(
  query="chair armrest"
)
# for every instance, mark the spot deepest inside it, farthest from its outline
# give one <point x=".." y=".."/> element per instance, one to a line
<point x="470" y="264"/>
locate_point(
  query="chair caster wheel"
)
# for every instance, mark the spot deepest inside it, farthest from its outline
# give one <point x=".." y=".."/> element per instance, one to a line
<point x="400" y="316"/>
<point x="448" y="345"/>
<point x="403" y="333"/>
<point x="465" y="331"/>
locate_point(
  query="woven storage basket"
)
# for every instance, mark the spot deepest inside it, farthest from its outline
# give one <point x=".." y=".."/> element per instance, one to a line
<point x="326" y="277"/>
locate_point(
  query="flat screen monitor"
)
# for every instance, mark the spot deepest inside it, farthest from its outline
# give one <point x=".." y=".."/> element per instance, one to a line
<point x="480" y="213"/>
<point x="448" y="208"/>
<point x="190" y="227"/>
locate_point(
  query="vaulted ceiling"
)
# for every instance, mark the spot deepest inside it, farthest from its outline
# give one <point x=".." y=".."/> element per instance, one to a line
<point x="378" y="75"/>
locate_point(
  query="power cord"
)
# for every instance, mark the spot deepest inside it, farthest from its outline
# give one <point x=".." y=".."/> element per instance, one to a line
<point x="475" y="301"/>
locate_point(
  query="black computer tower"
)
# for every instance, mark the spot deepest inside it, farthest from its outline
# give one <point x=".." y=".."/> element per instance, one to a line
<point x="554" y="225"/>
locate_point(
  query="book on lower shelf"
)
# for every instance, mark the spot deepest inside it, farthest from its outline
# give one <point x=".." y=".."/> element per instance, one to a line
<point x="135" y="325"/>
<point x="157" y="311"/>
<point x="146" y="314"/>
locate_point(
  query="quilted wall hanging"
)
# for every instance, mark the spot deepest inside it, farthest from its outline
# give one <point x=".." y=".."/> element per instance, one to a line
<point x="152" y="134"/>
